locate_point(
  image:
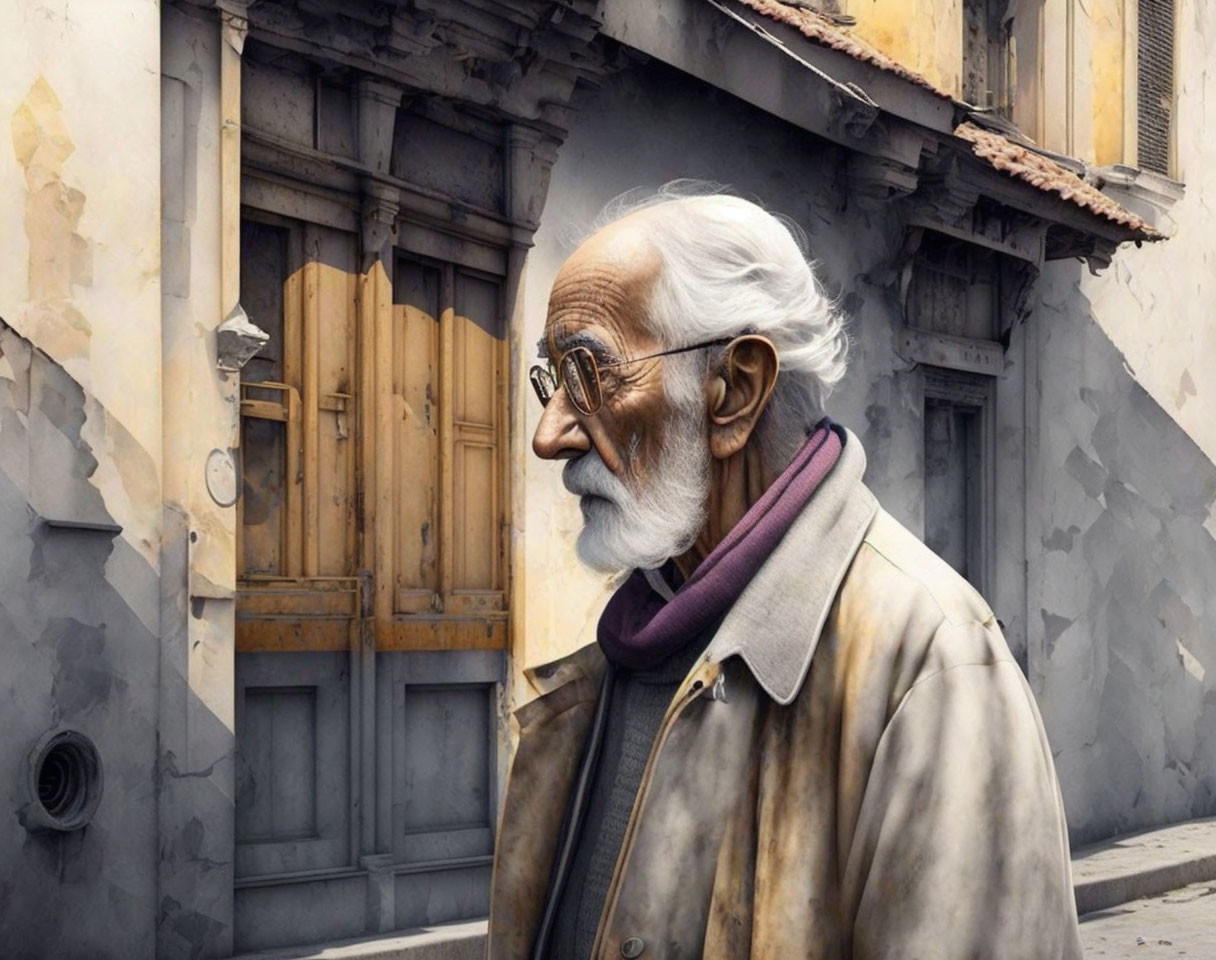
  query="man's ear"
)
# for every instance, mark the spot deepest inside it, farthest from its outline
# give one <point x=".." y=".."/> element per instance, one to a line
<point x="739" y="393"/>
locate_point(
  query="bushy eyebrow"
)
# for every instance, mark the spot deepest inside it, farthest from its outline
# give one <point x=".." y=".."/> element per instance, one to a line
<point x="581" y="338"/>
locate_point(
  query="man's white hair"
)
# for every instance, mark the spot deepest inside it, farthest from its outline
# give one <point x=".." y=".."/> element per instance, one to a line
<point x="730" y="267"/>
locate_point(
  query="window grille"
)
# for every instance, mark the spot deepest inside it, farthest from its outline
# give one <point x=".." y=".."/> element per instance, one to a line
<point x="1155" y="83"/>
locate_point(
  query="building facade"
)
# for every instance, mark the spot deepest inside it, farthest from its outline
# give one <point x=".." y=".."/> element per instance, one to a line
<point x="275" y="550"/>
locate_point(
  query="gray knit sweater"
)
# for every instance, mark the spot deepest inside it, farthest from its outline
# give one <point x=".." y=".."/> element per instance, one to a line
<point x="639" y="700"/>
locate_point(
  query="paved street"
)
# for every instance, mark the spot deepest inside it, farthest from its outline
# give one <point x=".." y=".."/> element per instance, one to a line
<point x="1181" y="923"/>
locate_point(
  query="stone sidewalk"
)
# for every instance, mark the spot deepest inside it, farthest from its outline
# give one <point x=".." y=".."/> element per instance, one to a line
<point x="1149" y="894"/>
<point x="1181" y="923"/>
<point x="1144" y="864"/>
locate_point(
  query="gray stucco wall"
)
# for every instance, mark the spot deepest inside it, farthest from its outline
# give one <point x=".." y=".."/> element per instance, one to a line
<point x="78" y="614"/>
<point x="1122" y="563"/>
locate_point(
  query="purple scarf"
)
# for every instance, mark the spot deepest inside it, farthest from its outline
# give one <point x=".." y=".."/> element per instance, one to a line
<point x="638" y="629"/>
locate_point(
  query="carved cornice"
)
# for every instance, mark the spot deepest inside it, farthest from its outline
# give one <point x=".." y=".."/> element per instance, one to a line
<point x="234" y="18"/>
<point x="518" y="58"/>
<point x="378" y="224"/>
<point x="944" y="194"/>
<point x="879" y="178"/>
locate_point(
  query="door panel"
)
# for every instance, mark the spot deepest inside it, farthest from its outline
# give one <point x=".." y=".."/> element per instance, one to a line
<point x="332" y="350"/>
<point x="266" y="266"/>
<point x="477" y="368"/>
<point x="415" y="386"/>
<point x="441" y="732"/>
<point x="293" y="741"/>
<point x="449" y="383"/>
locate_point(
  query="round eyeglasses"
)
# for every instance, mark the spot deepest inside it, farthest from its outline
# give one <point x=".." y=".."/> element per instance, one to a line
<point x="578" y="372"/>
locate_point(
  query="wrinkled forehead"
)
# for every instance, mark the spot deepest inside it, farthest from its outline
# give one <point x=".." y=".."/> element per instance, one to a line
<point x="602" y="292"/>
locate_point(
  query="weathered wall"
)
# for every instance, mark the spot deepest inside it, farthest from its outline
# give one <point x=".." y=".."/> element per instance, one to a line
<point x="924" y="35"/>
<point x="1122" y="562"/>
<point x="194" y="898"/>
<point x="1124" y="555"/>
<point x="79" y="655"/>
<point x="647" y="126"/>
<point x="1156" y="303"/>
<point x="80" y="440"/>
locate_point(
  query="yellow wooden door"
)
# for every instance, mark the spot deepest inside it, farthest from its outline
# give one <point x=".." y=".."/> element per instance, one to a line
<point x="449" y="373"/>
<point x="298" y="601"/>
<point x="372" y="582"/>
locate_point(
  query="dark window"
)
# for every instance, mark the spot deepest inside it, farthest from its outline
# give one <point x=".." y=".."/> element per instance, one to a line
<point x="953" y="482"/>
<point x="1155" y="83"/>
<point x="986" y="55"/>
<point x="958" y="471"/>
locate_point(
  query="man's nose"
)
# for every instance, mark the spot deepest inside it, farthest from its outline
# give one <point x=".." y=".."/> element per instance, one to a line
<point x="560" y="435"/>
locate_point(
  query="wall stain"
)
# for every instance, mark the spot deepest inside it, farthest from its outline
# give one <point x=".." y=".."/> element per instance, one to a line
<point x="60" y="258"/>
<point x="1086" y="472"/>
<point x="83" y="675"/>
<point x="1061" y="539"/>
<point x="1053" y="626"/>
<point x="1186" y="389"/>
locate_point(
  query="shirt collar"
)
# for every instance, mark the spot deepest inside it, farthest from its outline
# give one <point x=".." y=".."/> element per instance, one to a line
<point x="775" y="624"/>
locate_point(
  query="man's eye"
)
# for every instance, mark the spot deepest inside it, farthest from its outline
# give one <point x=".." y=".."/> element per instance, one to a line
<point x="610" y="378"/>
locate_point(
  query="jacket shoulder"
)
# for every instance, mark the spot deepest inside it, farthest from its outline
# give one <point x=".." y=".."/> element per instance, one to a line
<point x="893" y="558"/>
<point x="903" y="614"/>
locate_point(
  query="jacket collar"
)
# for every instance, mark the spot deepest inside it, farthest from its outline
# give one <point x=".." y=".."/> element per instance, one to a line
<point x="775" y="624"/>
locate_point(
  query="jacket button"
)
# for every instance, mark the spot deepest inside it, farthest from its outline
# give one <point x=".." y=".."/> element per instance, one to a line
<point x="631" y="948"/>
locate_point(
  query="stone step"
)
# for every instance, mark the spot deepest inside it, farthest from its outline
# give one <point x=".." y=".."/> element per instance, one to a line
<point x="1144" y="864"/>
<point x="447" y="941"/>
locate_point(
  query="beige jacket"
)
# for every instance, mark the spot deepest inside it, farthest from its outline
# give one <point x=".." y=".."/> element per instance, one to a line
<point x="855" y="768"/>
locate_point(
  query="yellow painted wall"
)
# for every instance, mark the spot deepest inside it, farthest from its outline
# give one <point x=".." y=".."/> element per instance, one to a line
<point x="80" y="226"/>
<point x="1157" y="302"/>
<point x="199" y="410"/>
<point x="1107" y="25"/>
<point x="923" y="35"/>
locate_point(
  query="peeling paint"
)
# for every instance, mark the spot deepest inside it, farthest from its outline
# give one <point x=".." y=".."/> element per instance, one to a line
<point x="1053" y="626"/>
<point x="79" y="655"/>
<point x="1128" y="624"/>
<point x="1186" y="388"/>
<point x="1190" y="664"/>
<point x="59" y="257"/>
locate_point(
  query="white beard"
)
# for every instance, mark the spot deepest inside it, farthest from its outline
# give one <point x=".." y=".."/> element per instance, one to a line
<point x="624" y="528"/>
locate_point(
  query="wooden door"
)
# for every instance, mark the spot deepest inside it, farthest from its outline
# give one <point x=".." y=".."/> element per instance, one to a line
<point x="449" y="379"/>
<point x="441" y="651"/>
<point x="298" y="598"/>
<point x="371" y="628"/>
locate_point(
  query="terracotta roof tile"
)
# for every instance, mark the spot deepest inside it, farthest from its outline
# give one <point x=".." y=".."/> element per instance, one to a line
<point x="815" y="26"/>
<point x="1047" y="175"/>
<point x="1002" y="153"/>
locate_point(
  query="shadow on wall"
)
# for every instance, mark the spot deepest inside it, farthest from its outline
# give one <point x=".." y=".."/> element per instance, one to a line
<point x="78" y="616"/>
<point x="1122" y="560"/>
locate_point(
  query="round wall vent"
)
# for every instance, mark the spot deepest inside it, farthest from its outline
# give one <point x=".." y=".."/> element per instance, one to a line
<point x="64" y="782"/>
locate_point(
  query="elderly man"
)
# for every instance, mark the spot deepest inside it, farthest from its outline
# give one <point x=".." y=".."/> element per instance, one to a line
<point x="800" y="733"/>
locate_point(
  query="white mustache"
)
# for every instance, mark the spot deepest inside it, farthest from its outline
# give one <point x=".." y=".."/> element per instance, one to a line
<point x="590" y="476"/>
